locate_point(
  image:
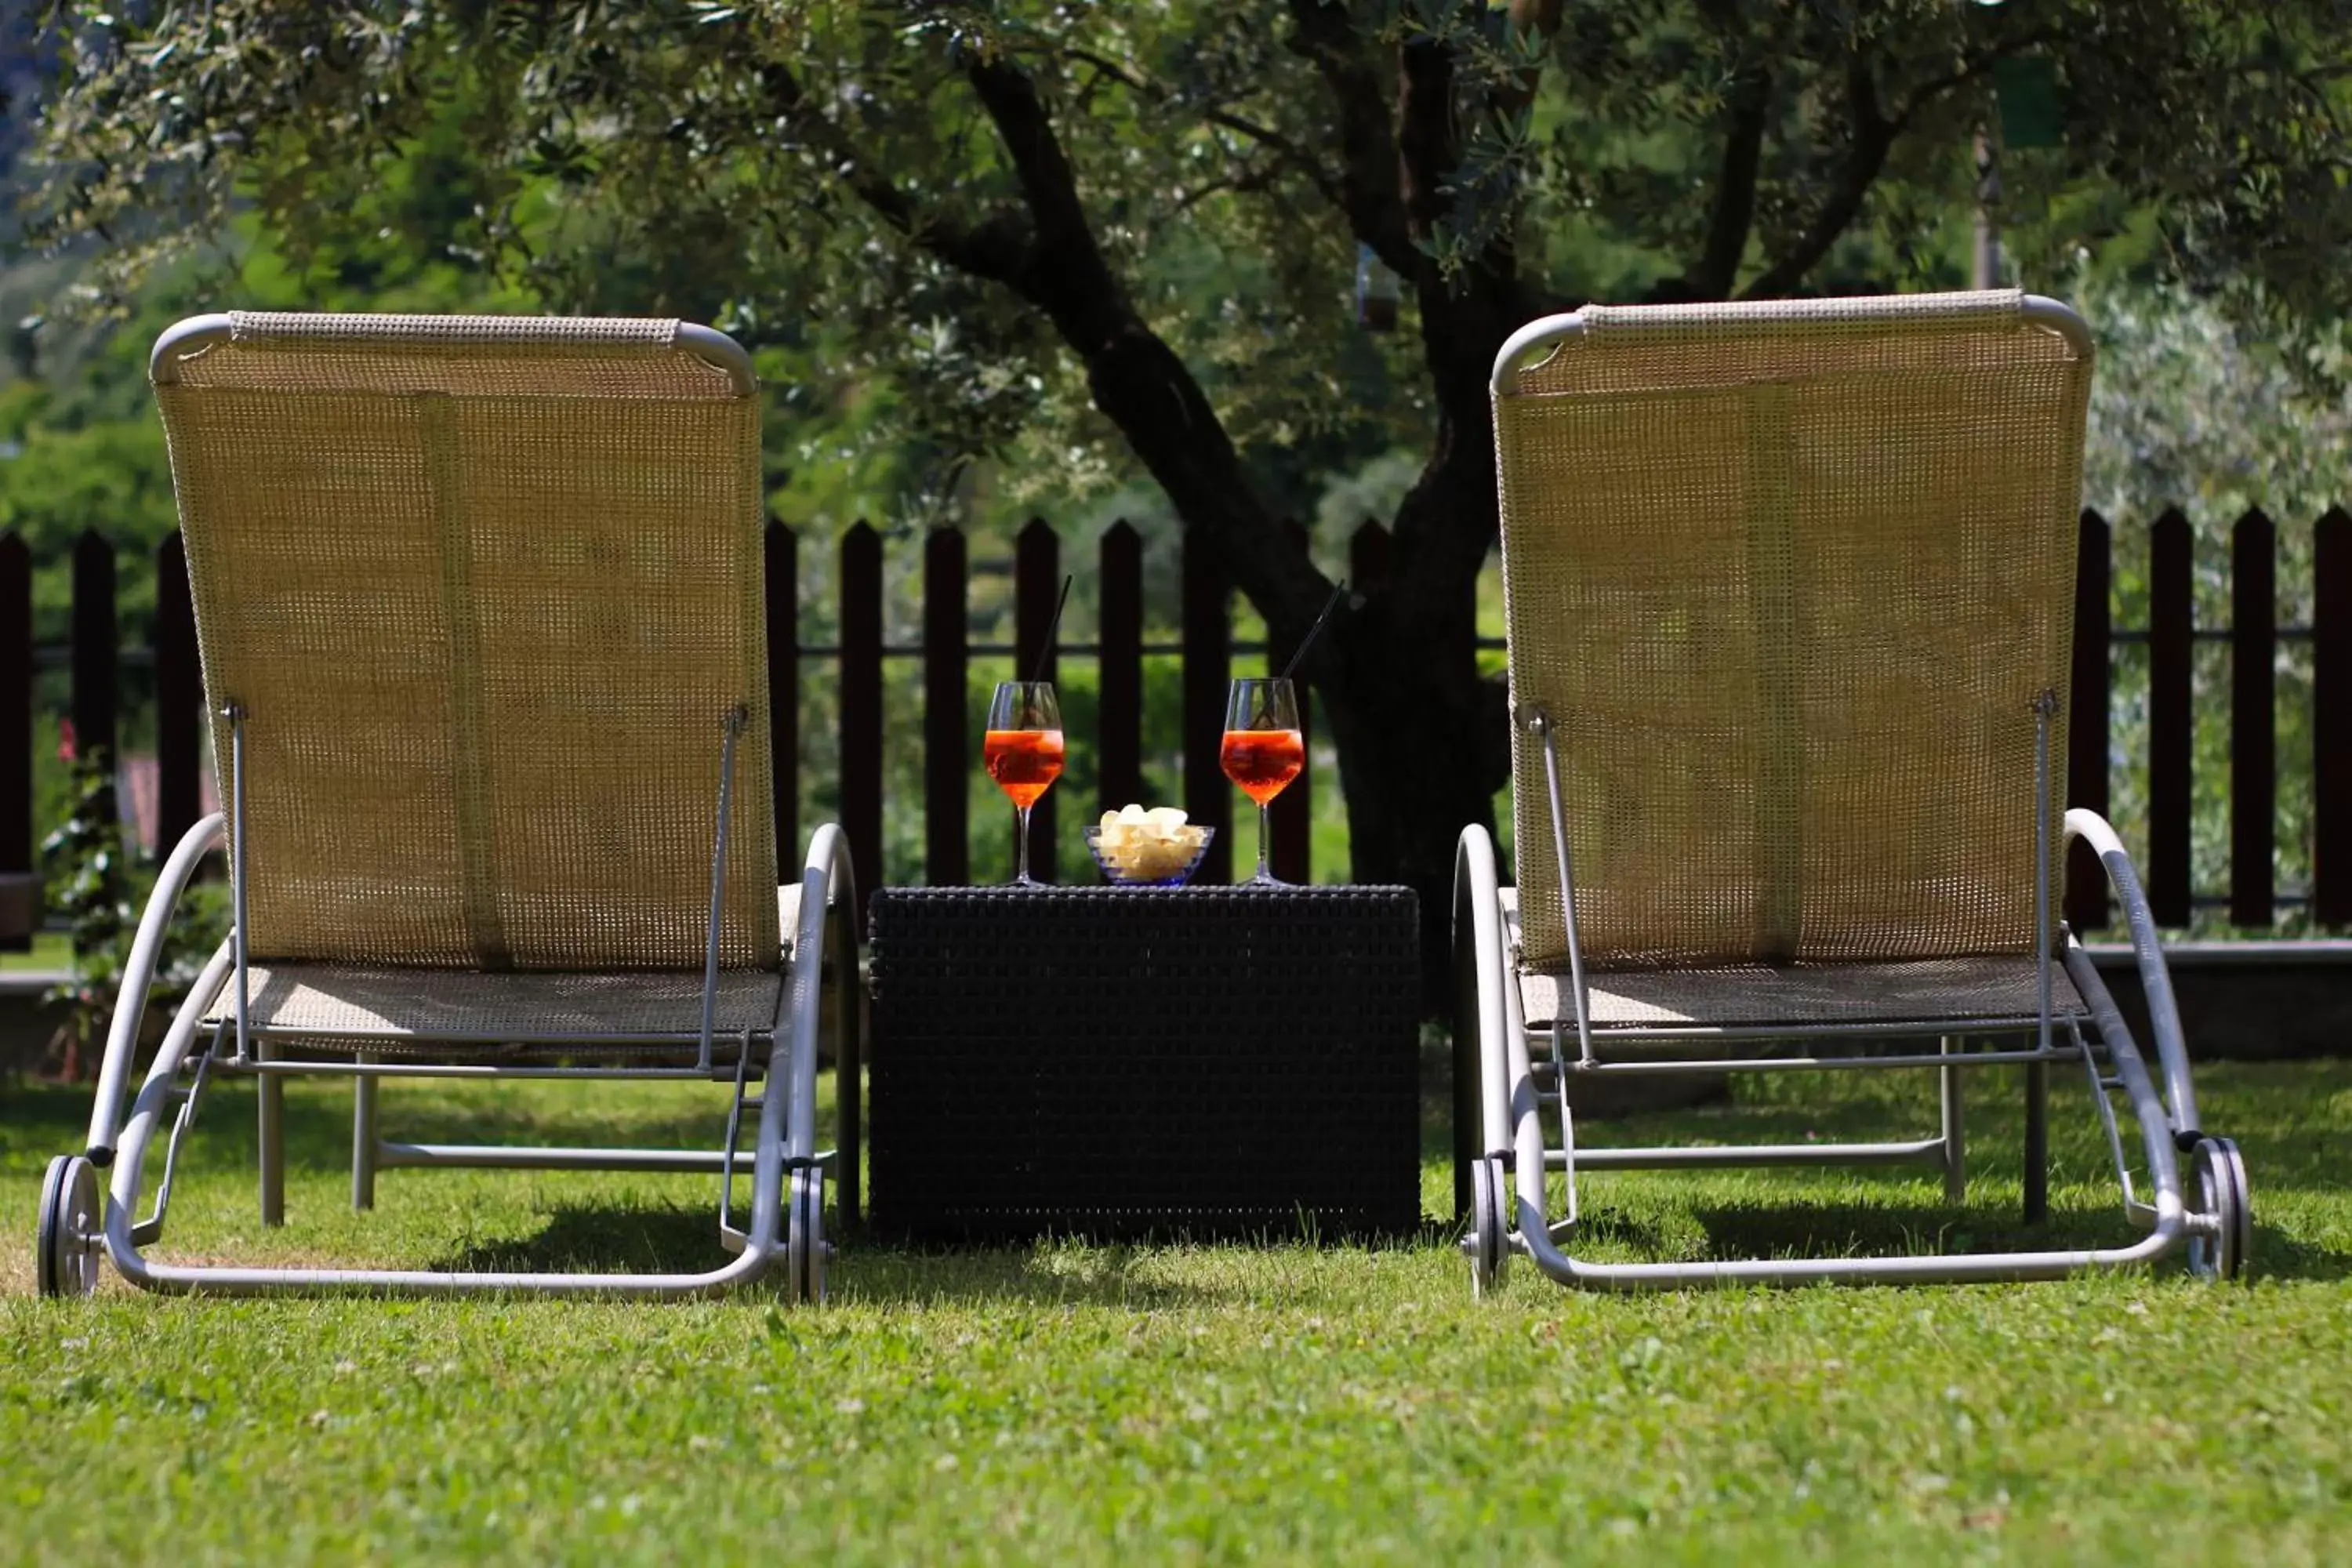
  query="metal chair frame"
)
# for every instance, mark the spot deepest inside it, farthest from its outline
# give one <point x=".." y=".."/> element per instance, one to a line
<point x="81" y="1227"/>
<point x="1501" y="1181"/>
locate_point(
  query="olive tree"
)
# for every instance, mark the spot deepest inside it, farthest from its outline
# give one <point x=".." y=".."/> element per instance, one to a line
<point x="1129" y="226"/>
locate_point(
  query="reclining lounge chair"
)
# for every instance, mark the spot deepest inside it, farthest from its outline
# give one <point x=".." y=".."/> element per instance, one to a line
<point x="481" y="605"/>
<point x="1791" y="591"/>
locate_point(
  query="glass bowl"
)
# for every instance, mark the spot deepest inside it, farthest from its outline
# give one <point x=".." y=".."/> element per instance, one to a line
<point x="1160" y="867"/>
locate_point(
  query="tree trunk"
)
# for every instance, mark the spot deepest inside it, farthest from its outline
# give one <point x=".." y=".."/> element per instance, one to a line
<point x="1422" y="738"/>
<point x="1406" y="760"/>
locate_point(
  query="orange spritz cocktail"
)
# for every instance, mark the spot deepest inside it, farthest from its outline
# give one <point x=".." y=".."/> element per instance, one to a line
<point x="1024" y="763"/>
<point x="1021" y="750"/>
<point x="1262" y="761"/>
<point x="1265" y="748"/>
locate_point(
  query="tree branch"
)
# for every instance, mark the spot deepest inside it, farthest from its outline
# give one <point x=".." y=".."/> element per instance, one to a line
<point x="1288" y="154"/>
<point x="1046" y="253"/>
<point x="1135" y="378"/>
<point x="1934" y="87"/>
<point x="1735" y="188"/>
<point x="1435" y="187"/>
<point x="1368" y="178"/>
<point x="1873" y="134"/>
<point x="996" y="249"/>
<point x="1537" y="18"/>
<point x="1427" y="146"/>
<point x="1750" y="109"/>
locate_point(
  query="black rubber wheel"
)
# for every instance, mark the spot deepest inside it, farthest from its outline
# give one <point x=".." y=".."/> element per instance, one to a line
<point x="2217" y="1187"/>
<point x="70" y="1222"/>
<point x="1486" y="1242"/>
<point x="806" y="1251"/>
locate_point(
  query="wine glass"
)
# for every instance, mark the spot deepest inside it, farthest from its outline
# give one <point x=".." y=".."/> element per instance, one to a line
<point x="1023" y="752"/>
<point x="1263" y="749"/>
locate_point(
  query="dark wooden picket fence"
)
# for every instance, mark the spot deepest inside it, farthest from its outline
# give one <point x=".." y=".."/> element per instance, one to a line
<point x="1206" y="645"/>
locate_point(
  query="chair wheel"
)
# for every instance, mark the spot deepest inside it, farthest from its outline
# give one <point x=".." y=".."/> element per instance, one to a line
<point x="1486" y="1243"/>
<point x="805" y="1250"/>
<point x="2219" y="1187"/>
<point x="71" y="1226"/>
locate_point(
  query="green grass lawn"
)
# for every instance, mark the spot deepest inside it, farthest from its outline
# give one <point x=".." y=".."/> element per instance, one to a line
<point x="1191" y="1403"/>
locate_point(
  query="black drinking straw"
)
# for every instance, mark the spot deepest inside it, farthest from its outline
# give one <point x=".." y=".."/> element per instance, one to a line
<point x="1307" y="641"/>
<point x="1045" y="650"/>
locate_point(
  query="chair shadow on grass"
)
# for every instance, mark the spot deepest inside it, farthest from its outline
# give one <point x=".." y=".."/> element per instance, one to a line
<point x="682" y="1239"/>
<point x="1811" y="1229"/>
<point x="613" y="1237"/>
<point x="2295" y="1147"/>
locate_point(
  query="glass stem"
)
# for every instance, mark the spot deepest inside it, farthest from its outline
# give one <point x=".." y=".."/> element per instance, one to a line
<point x="1262" y="874"/>
<point x="1020" y="843"/>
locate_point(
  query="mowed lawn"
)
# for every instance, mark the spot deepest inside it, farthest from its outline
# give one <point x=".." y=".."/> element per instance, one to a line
<point x="1089" y="1404"/>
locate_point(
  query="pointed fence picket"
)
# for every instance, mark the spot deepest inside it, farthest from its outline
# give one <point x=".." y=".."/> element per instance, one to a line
<point x="1210" y="655"/>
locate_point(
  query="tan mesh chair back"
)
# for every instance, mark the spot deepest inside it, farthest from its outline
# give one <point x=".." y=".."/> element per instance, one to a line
<point x="487" y="592"/>
<point x="1789" y="579"/>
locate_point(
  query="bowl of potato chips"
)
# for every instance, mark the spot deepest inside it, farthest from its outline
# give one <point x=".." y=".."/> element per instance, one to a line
<point x="1147" y="848"/>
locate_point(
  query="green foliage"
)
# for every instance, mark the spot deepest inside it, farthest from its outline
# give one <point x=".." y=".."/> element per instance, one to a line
<point x="784" y="171"/>
<point x="947" y="231"/>
<point x="2192" y="408"/>
<point x="720" y="162"/>
<point x="93" y="875"/>
<point x="728" y="162"/>
<point x="86" y="880"/>
<point x="2201" y="412"/>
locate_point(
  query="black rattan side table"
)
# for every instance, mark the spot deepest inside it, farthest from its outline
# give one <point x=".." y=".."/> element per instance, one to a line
<point x="1121" y="1062"/>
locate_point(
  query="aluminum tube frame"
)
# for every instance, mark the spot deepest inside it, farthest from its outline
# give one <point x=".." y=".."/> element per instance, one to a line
<point x="737" y="718"/>
<point x="2131" y="1071"/>
<point x="2100" y="1102"/>
<point x="787" y="1136"/>
<point x="1536" y="341"/>
<point x="462" y="1070"/>
<point x="1670" y="1157"/>
<point x="155" y="1098"/>
<point x="2045" y="709"/>
<point x="1540" y="722"/>
<point x="1952" y="1117"/>
<point x="1889" y="1029"/>
<point x="190" y="337"/>
<point x="367" y="1148"/>
<point x="139" y="979"/>
<point x="1907" y="1062"/>
<point x="715" y="348"/>
<point x="2154" y="979"/>
<point x="2109" y="1020"/>
<point x="524" y="1157"/>
<point x="1532" y="1236"/>
<point x="183" y="340"/>
<point x="146" y="1230"/>
<point x="1511" y="1107"/>
<point x="269" y="1099"/>
<point x="828" y="877"/>
<point x="534" y="1037"/>
<point x="234" y="713"/>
